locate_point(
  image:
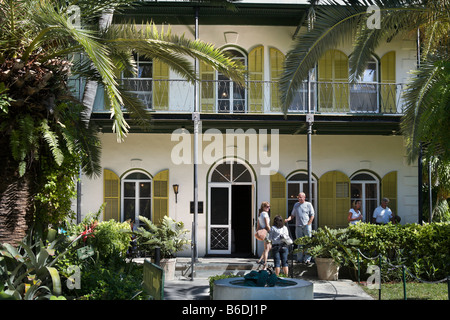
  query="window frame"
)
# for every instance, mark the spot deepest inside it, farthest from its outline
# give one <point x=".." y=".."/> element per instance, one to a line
<point x="137" y="196"/>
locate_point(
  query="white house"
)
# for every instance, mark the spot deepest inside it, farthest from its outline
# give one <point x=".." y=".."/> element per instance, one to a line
<point x="249" y="152"/>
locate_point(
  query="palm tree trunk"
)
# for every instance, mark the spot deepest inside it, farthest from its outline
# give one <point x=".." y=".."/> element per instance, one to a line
<point x="16" y="198"/>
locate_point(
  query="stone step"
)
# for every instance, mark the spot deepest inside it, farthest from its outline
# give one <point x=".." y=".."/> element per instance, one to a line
<point x="207" y="267"/>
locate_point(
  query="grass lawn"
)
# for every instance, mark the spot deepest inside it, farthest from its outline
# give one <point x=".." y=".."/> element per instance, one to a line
<point x="414" y="291"/>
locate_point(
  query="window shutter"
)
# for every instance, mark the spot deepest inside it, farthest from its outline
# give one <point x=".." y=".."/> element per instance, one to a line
<point x="334" y="199"/>
<point x="160" y="196"/>
<point x="277" y="196"/>
<point x="160" y="87"/>
<point x="256" y="77"/>
<point x="276" y="70"/>
<point x="111" y="195"/>
<point x="333" y="81"/>
<point x="389" y="190"/>
<point x="207" y="88"/>
<point x="388" y="89"/>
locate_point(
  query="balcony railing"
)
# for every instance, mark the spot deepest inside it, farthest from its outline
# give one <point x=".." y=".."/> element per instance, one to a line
<point x="177" y="96"/>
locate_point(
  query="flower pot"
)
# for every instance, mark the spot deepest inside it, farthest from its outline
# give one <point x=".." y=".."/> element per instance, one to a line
<point x="169" y="268"/>
<point x="327" y="269"/>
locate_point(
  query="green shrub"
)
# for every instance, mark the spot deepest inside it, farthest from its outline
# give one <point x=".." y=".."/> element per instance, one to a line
<point x="423" y="249"/>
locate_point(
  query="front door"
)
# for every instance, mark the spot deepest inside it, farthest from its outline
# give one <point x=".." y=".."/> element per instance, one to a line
<point x="231" y="204"/>
<point x="220" y="220"/>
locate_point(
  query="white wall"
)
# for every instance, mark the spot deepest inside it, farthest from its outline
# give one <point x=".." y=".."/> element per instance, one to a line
<point x="380" y="154"/>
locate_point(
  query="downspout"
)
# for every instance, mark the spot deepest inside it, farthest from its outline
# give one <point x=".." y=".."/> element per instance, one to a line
<point x="196" y="119"/>
<point x="419" y="160"/>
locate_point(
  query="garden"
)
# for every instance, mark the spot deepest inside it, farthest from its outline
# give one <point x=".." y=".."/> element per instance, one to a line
<point x="85" y="261"/>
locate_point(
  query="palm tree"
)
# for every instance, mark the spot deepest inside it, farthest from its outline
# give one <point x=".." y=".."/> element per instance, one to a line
<point x="427" y="94"/>
<point x="44" y="125"/>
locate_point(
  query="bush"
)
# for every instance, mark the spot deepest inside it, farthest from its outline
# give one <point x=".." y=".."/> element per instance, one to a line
<point x="423" y="249"/>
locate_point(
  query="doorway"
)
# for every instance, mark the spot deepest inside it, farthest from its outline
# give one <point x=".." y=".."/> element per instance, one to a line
<point x="231" y="206"/>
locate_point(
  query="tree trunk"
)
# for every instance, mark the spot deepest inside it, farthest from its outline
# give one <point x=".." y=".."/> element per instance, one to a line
<point x="15" y="204"/>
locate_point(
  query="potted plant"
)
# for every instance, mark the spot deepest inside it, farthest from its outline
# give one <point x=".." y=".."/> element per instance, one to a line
<point x="330" y="248"/>
<point x="169" y="236"/>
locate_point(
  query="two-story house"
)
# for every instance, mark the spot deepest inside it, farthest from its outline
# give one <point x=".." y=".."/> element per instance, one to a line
<point x="248" y="150"/>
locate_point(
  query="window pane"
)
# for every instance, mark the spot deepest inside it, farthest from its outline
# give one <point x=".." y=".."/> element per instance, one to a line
<point x="145" y="71"/>
<point x="222" y="173"/>
<point x="299" y="177"/>
<point x="137" y="176"/>
<point x="129" y="209"/>
<point x="219" y="206"/>
<point x="129" y="189"/>
<point x="293" y="190"/>
<point x="356" y="190"/>
<point x="371" y="190"/>
<point x="144" y="190"/>
<point x="144" y="208"/>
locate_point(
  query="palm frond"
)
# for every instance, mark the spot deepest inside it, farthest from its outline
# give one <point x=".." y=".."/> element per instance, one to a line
<point x="333" y="25"/>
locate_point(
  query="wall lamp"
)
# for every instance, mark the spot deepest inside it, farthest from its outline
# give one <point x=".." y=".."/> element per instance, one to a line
<point x="175" y="190"/>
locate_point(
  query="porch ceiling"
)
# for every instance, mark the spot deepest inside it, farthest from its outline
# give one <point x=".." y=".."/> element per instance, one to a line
<point x="291" y="124"/>
<point x="183" y="13"/>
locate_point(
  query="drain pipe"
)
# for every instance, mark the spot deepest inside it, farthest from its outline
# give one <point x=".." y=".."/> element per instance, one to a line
<point x="196" y="119"/>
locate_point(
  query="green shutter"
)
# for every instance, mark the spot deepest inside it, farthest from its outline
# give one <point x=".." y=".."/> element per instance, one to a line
<point x="334" y="199"/>
<point x="333" y="82"/>
<point x="256" y="77"/>
<point x="277" y="196"/>
<point x="160" y="86"/>
<point x="276" y="70"/>
<point x="160" y="196"/>
<point x="207" y="88"/>
<point x="389" y="190"/>
<point x="111" y="195"/>
<point x="388" y="88"/>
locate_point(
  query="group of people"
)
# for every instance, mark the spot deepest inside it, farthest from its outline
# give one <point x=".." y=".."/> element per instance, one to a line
<point x="303" y="212"/>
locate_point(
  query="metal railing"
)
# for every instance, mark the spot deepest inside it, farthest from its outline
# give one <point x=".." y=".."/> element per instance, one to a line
<point x="224" y="96"/>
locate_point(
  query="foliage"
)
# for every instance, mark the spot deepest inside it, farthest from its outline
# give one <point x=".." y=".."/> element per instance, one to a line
<point x="423" y="249"/>
<point x="108" y="237"/>
<point x="119" y="281"/>
<point x="27" y="272"/>
<point x="330" y="243"/>
<point x="169" y="236"/>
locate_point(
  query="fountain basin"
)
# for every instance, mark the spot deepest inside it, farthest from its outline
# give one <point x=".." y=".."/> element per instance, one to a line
<point x="234" y="289"/>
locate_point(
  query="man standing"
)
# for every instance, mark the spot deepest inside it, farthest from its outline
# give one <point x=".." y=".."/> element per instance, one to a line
<point x="382" y="214"/>
<point x="303" y="212"/>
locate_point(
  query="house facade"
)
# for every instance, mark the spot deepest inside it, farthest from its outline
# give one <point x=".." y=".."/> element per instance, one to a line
<point x="248" y="150"/>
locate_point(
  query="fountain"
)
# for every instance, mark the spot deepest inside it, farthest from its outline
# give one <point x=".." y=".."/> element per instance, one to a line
<point x="261" y="285"/>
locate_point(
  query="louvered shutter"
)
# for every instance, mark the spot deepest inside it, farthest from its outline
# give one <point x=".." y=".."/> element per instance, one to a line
<point x="276" y="70"/>
<point x="277" y="196"/>
<point x="389" y="190"/>
<point x="111" y="195"/>
<point x="256" y="77"/>
<point x="388" y="89"/>
<point x="160" y="86"/>
<point x="160" y="196"/>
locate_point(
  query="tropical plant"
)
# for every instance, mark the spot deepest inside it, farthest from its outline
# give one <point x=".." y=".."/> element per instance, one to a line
<point x="169" y="236"/>
<point x="27" y="272"/>
<point x="331" y="23"/>
<point x="45" y="47"/>
<point x="330" y="243"/>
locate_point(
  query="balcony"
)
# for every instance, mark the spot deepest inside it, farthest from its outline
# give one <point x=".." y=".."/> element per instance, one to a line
<point x="262" y="97"/>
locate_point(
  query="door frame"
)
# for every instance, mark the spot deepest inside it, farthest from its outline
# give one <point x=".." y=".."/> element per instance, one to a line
<point x="229" y="185"/>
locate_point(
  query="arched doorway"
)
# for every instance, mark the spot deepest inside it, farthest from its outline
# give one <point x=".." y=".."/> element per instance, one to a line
<point x="231" y="193"/>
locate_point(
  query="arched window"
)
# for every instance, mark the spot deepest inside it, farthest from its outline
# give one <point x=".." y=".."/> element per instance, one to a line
<point x="136" y="196"/>
<point x="231" y="96"/>
<point x="364" y="186"/>
<point x="231" y="172"/>
<point x="299" y="183"/>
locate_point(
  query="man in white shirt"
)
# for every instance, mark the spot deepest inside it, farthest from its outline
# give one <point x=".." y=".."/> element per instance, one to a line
<point x="382" y="214"/>
<point x="303" y="212"/>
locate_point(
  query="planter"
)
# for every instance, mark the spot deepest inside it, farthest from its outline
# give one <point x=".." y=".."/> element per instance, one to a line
<point x="327" y="269"/>
<point x="169" y="268"/>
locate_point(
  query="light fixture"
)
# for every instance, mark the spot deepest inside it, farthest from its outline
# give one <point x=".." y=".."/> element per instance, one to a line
<point x="175" y="190"/>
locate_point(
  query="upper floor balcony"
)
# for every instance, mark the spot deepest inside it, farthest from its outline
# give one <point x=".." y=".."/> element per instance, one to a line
<point x="262" y="97"/>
